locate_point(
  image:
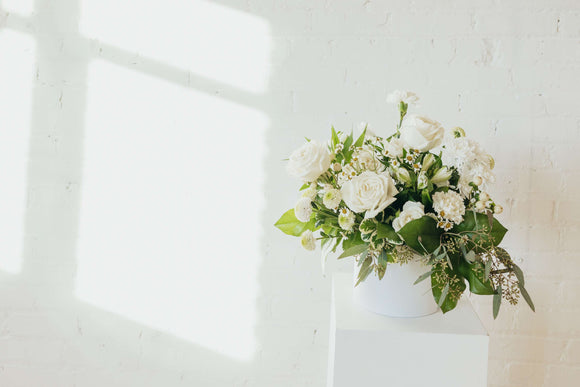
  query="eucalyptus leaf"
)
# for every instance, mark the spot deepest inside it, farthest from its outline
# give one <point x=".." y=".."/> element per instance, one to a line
<point x="443" y="295"/>
<point x="527" y="298"/>
<point x="519" y="274"/>
<point x="423" y="277"/>
<point x="478" y="284"/>
<point x="487" y="268"/>
<point x="365" y="270"/>
<point x="496" y="302"/>
<point x="355" y="250"/>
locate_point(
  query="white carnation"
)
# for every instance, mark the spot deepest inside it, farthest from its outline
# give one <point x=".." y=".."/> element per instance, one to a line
<point x="332" y="198"/>
<point x="309" y="161"/>
<point x="470" y="160"/>
<point x="421" y="133"/>
<point x="449" y="205"/>
<point x="303" y="210"/>
<point x="369" y="192"/>
<point x="346" y="219"/>
<point x="411" y="211"/>
<point x="307" y="240"/>
<point x="398" y="96"/>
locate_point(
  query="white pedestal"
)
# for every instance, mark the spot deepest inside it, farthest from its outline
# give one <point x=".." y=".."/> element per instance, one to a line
<point x="370" y="350"/>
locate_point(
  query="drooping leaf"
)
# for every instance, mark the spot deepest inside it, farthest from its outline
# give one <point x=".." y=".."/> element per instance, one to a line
<point x="382" y="261"/>
<point x="426" y="228"/>
<point x="527" y="298"/>
<point x="443" y="294"/>
<point x="360" y="140"/>
<point x="355" y="250"/>
<point x="487" y="269"/>
<point x="519" y="274"/>
<point x="353" y="240"/>
<point x="365" y="270"/>
<point x="292" y="226"/>
<point x="496" y="302"/>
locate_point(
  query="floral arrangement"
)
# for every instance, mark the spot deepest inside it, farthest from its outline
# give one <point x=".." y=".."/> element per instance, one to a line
<point x="418" y="192"/>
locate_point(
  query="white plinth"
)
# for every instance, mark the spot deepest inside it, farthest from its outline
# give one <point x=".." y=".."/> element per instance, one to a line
<point x="370" y="350"/>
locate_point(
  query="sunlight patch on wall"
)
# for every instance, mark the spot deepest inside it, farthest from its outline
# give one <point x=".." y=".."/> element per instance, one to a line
<point x="171" y="203"/>
<point x="20" y="7"/>
<point x="208" y="39"/>
<point x="16" y="76"/>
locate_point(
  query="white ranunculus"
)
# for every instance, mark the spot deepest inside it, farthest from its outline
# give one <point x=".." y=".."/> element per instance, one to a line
<point x="421" y="133"/>
<point x="369" y="192"/>
<point x="307" y="240"/>
<point x="449" y="205"/>
<point x="393" y="148"/>
<point x="411" y="211"/>
<point x="303" y="209"/>
<point x="398" y="96"/>
<point x="309" y="161"/>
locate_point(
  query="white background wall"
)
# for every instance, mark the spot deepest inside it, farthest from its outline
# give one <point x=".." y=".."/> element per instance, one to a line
<point x="141" y="148"/>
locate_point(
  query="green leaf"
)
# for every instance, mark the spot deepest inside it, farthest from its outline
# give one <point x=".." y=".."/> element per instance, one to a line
<point x="477" y="283"/>
<point x="335" y="139"/>
<point x="386" y="231"/>
<point x="475" y="221"/>
<point x="527" y="297"/>
<point x="519" y="274"/>
<point x="382" y="261"/>
<point x="496" y="302"/>
<point x="470" y="256"/>
<point x="426" y="228"/>
<point x="423" y="277"/>
<point x="292" y="226"/>
<point x="487" y="268"/>
<point x="360" y="140"/>
<point x="449" y="303"/>
<point x="355" y="250"/>
<point x="304" y="186"/>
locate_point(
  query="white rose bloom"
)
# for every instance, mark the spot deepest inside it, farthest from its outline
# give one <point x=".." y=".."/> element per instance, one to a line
<point x="421" y="133"/>
<point x="369" y="192"/>
<point x="307" y="240"/>
<point x="310" y="192"/>
<point x="394" y="147"/>
<point x="398" y="96"/>
<point x="309" y="161"/>
<point x="449" y="205"/>
<point x="346" y="219"/>
<point x="411" y="211"/>
<point x="332" y="198"/>
<point x="303" y="210"/>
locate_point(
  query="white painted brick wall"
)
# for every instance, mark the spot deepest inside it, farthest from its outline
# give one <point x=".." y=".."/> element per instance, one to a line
<point x="506" y="71"/>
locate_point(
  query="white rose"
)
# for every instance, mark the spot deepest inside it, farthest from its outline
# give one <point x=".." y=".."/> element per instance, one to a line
<point x="411" y="211"/>
<point x="421" y="133"/>
<point x="307" y="240"/>
<point x="365" y="159"/>
<point x="303" y="210"/>
<point x="309" y="161"/>
<point x="398" y="96"/>
<point x="369" y="192"/>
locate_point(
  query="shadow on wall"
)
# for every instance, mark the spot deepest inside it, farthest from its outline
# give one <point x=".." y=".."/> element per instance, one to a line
<point x="143" y="230"/>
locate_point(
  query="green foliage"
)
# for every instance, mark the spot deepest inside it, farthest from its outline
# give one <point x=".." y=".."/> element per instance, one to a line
<point x="475" y="276"/>
<point x="355" y="250"/>
<point x="292" y="226"/>
<point x="447" y="299"/>
<point x="479" y="222"/>
<point x="424" y="228"/>
<point x="496" y="302"/>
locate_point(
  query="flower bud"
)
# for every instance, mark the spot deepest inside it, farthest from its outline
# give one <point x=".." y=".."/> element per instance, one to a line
<point x="458" y="132"/>
<point x="480" y="205"/>
<point x="307" y="240"/>
<point x="441" y="176"/>
<point x="428" y="160"/>
<point x="336" y="167"/>
<point x="484" y="197"/>
<point x="422" y="180"/>
<point x="491" y="162"/>
<point x="498" y="209"/>
<point x="477" y="180"/>
<point x="403" y="175"/>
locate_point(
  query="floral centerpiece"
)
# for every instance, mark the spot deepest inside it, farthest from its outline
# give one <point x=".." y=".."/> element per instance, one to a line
<point x="418" y="191"/>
